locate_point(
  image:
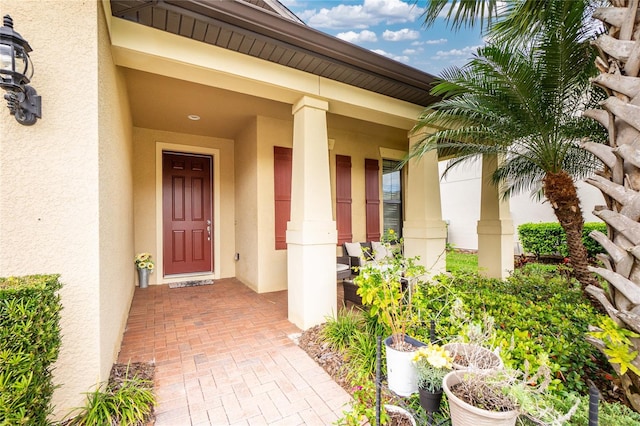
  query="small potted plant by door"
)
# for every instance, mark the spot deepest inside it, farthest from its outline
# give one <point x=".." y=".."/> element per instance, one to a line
<point x="144" y="265"/>
<point x="386" y="285"/>
<point x="432" y="363"/>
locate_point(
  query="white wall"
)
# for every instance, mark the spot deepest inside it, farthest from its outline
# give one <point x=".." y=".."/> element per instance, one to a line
<point x="460" y="194"/>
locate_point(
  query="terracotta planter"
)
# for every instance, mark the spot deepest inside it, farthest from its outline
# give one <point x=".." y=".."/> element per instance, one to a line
<point x="467" y="356"/>
<point x="401" y="371"/>
<point x="463" y="414"/>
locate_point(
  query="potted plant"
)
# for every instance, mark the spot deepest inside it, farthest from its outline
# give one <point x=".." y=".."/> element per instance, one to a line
<point x="144" y="265"/>
<point x="470" y="350"/>
<point x="498" y="397"/>
<point x="432" y="362"/>
<point x="385" y="285"/>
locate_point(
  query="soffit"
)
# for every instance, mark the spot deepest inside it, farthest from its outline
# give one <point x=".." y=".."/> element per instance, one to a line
<point x="260" y="29"/>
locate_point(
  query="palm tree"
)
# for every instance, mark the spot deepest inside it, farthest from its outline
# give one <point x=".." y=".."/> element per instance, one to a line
<point x="618" y="62"/>
<point x="522" y="104"/>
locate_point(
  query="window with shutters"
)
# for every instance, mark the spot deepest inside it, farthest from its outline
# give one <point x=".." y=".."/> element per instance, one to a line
<point x="282" y="161"/>
<point x="372" y="198"/>
<point x="343" y="199"/>
<point x="392" y="196"/>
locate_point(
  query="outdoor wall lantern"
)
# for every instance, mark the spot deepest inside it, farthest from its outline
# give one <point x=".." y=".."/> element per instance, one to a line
<point x="16" y="70"/>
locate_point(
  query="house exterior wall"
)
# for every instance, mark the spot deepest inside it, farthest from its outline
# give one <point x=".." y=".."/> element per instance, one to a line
<point x="360" y="145"/>
<point x="147" y="193"/>
<point x="272" y="263"/>
<point x="52" y="202"/>
<point x="115" y="152"/>
<point x="460" y="192"/>
<point x="246" y="191"/>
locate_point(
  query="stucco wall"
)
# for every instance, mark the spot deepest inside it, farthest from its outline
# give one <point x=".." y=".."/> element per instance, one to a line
<point x="49" y="181"/>
<point x="360" y="145"/>
<point x="246" y="191"/>
<point x="147" y="198"/>
<point x="460" y="193"/>
<point x="272" y="262"/>
<point x="117" y="280"/>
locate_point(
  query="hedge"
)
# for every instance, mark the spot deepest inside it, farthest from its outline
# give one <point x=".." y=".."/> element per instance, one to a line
<point x="550" y="239"/>
<point x="29" y="345"/>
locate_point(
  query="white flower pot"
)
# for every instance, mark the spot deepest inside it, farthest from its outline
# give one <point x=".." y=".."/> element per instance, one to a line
<point x="479" y="358"/>
<point x="463" y="414"/>
<point x="401" y="372"/>
<point x="395" y="409"/>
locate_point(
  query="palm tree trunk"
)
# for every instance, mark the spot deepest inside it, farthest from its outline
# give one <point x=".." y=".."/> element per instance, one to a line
<point x="560" y="190"/>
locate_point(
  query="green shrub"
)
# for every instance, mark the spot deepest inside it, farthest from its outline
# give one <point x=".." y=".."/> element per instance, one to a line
<point x="339" y="331"/>
<point x="609" y="414"/>
<point x="539" y="318"/>
<point x="549" y="238"/>
<point x="29" y="345"/>
<point x="127" y="403"/>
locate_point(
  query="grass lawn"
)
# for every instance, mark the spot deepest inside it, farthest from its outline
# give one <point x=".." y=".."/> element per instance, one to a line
<point x="461" y="262"/>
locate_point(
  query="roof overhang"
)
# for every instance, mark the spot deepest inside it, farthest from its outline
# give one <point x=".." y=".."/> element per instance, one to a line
<point x="257" y="30"/>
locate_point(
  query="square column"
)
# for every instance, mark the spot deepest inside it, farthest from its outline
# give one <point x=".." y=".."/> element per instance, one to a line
<point x="424" y="231"/>
<point x="311" y="232"/>
<point x="495" y="227"/>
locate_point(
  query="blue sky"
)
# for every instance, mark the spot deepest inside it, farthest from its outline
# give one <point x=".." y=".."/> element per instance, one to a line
<point x="392" y="28"/>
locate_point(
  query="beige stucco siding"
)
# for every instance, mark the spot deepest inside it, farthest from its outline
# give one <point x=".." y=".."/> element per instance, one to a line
<point x="147" y="151"/>
<point x="116" y="202"/>
<point x="246" y="190"/>
<point x="360" y="145"/>
<point x="50" y="183"/>
<point x="272" y="262"/>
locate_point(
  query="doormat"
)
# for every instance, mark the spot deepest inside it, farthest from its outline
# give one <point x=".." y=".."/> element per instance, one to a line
<point x="190" y="283"/>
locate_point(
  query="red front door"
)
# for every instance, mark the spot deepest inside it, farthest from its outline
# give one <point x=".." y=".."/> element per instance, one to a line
<point x="186" y="207"/>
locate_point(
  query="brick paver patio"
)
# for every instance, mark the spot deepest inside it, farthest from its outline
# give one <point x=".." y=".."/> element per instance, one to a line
<point x="223" y="356"/>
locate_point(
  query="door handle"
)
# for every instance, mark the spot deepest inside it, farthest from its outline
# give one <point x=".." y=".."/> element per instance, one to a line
<point x="208" y="230"/>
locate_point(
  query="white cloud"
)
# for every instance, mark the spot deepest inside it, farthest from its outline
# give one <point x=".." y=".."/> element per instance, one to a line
<point x="464" y="52"/>
<point x="369" y="13"/>
<point x="438" y="41"/>
<point x="361" y="37"/>
<point x="401" y="35"/>
<point x="409" y="51"/>
<point x="399" y="58"/>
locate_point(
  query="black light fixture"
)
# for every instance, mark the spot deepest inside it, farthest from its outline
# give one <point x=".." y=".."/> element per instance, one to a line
<point x="16" y="70"/>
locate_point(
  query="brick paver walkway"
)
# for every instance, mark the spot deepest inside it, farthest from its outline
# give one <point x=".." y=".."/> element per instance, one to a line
<point x="223" y="356"/>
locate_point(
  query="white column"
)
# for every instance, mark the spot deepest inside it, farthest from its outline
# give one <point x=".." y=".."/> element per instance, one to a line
<point x="495" y="227"/>
<point x="424" y="231"/>
<point x="311" y="233"/>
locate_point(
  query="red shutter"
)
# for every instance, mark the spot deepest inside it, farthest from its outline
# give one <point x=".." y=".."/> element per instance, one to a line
<point x="343" y="198"/>
<point x="372" y="198"/>
<point x="282" y="160"/>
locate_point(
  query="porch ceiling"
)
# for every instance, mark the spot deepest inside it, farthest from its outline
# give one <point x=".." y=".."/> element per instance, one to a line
<point x="163" y="103"/>
<point x="265" y="30"/>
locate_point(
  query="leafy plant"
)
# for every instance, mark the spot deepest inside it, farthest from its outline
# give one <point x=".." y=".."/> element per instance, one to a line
<point x="29" y="345"/>
<point x="432" y="363"/>
<point x="549" y="238"/>
<point x="126" y="403"/>
<point x="385" y="286"/>
<point x="361" y="356"/>
<point x="363" y="407"/>
<point x="339" y="331"/>
<point x="618" y="346"/>
<point x="539" y="318"/>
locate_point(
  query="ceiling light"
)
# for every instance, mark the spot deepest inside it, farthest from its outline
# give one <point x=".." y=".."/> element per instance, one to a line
<point x="193" y="117"/>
